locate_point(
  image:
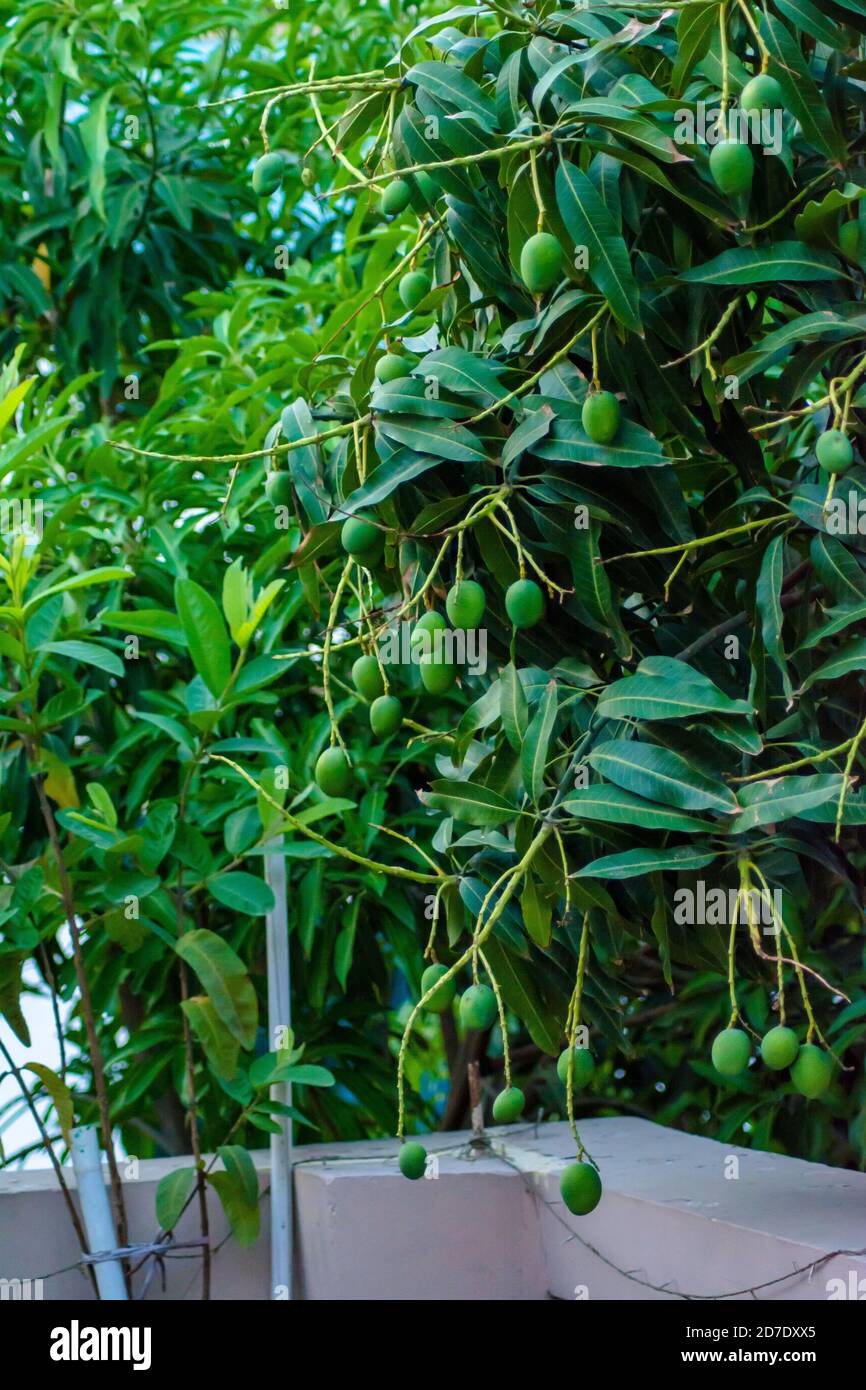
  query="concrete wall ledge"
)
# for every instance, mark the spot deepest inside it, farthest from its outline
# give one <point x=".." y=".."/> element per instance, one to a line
<point x="681" y="1215"/>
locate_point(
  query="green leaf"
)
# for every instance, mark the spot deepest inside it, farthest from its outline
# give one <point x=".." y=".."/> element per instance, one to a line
<point x="635" y="863"/>
<point x="146" y="622"/>
<point x="802" y="95"/>
<point x="205" y="634"/>
<point x="243" y="1216"/>
<point x="88" y="653"/>
<point x="780" y="798"/>
<point x="11" y="401"/>
<point x="836" y="621"/>
<point x="807" y="17"/>
<point x="514" y="710"/>
<point x="220" y="1047"/>
<point x="305" y="466"/>
<point x="674" y="695"/>
<point x="242" y="892"/>
<point x="537" y="910"/>
<point x="791" y="261"/>
<point x="441" y="439"/>
<point x="592" y="587"/>
<point x="172" y="1194"/>
<point x="476" y="805"/>
<point x="659" y="774"/>
<point x="94" y="137"/>
<point x="60" y="1094"/>
<point x="536" y="745"/>
<point x="634" y="447"/>
<point x="464" y="373"/>
<point x="620" y="807"/>
<point x="305" y="1074"/>
<point x="696" y="25"/>
<point x="451" y="86"/>
<point x="590" y="224"/>
<point x="77" y="581"/>
<point x="838" y="570"/>
<point x="241" y="1167"/>
<point x="851" y="657"/>
<point x="11" y="988"/>
<point x="237" y="597"/>
<point x="768" y="596"/>
<point x="224" y="976"/>
<point x="402" y="467"/>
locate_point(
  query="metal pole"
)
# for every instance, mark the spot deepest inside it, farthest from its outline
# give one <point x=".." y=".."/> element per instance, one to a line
<point x="279" y="1018"/>
<point x="96" y="1210"/>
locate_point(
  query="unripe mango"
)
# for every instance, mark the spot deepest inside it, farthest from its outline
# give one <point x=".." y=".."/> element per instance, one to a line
<point x="333" y="773"/>
<point x="508" y="1106"/>
<point x="367" y="678"/>
<point x="439" y="1002"/>
<point x="465" y="604"/>
<point x="386" y="715"/>
<point x="779" y="1047"/>
<point x="835" y="451"/>
<point x="478" y="1007"/>
<point x="761" y="93"/>
<point x="540" y="262"/>
<point x="436" y="676"/>
<point x="413" y="287"/>
<point x="395" y="197"/>
<point x="391" y="367"/>
<point x="732" y="166"/>
<point x="600" y="416"/>
<point x="360" y="537"/>
<point x="813" y="1071"/>
<point x="412" y="1160"/>
<point x="268" y="172"/>
<point x="580" y="1188"/>
<point x="584" y="1068"/>
<point x="524" y="603"/>
<point x="730" y="1053"/>
<point x="278" y="489"/>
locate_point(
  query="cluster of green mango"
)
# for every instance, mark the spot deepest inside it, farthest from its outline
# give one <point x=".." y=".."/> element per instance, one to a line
<point x="811" y="1066"/>
<point x="580" y="1184"/>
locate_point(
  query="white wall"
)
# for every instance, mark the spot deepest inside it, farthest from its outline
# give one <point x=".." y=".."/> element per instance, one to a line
<point x="684" y="1214"/>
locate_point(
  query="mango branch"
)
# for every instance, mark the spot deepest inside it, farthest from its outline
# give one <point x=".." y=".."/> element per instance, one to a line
<point x="845" y="383"/>
<point x="572" y="1023"/>
<point x="373" y="81"/>
<point x="285" y="448"/>
<point x="760" y="45"/>
<point x="749" y="865"/>
<point x="402" y="264"/>
<point x="395" y="870"/>
<point x="514" y="876"/>
<point x="849" y="764"/>
<point x="503" y="1021"/>
<point x="336" y="153"/>
<point x="536" y="376"/>
<point x="797" y="764"/>
<point x="458" y="161"/>
<point x="710" y="338"/>
<point x="697" y="542"/>
<point x="336" y="736"/>
<point x="798" y="198"/>
<point x="523" y="556"/>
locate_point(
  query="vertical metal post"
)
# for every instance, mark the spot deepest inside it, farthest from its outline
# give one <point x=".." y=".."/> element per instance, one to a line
<point x="96" y="1211"/>
<point x="279" y="1017"/>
